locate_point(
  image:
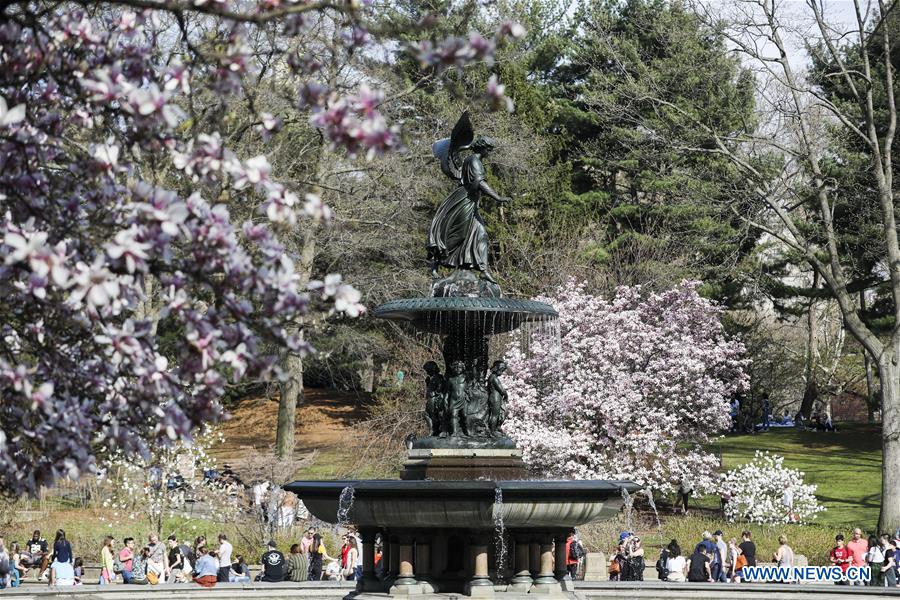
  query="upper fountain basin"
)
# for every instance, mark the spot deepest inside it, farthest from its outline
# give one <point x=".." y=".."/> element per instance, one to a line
<point x="469" y="504"/>
<point x="445" y="315"/>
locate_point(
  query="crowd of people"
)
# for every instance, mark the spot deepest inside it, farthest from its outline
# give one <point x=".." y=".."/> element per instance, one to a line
<point x="174" y="561"/>
<point x="713" y="559"/>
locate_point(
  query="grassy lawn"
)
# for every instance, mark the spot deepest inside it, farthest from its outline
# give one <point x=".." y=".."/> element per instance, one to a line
<point x="845" y="465"/>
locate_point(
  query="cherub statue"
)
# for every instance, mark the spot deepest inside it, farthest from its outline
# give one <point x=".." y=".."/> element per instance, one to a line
<point x="435" y="399"/>
<point x="497" y="398"/>
<point x="457" y="237"/>
<point x="455" y="424"/>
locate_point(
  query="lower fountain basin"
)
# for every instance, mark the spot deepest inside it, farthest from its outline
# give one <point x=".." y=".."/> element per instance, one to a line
<point x="465" y="504"/>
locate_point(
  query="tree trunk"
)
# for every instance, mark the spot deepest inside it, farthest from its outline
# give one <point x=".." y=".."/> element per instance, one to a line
<point x="872" y="398"/>
<point x="292" y="388"/>
<point x="291" y="394"/>
<point x="811" y="393"/>
<point x="889" y="374"/>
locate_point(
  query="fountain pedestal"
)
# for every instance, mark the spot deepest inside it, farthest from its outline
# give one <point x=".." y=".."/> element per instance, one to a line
<point x="456" y="464"/>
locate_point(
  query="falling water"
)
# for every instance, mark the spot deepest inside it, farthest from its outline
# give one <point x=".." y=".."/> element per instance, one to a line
<point x="345" y="503"/>
<point x="629" y="504"/>
<point x="649" y="493"/>
<point x="499" y="533"/>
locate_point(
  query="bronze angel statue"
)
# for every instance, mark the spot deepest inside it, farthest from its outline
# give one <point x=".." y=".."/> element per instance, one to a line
<point x="457" y="238"/>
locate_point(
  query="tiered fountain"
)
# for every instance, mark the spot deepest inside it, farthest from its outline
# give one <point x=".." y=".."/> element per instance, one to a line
<point x="465" y="485"/>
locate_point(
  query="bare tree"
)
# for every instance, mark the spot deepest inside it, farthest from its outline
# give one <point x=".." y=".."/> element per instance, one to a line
<point x="800" y="113"/>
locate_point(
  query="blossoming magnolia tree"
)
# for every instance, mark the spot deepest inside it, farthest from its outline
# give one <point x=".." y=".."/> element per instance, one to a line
<point x="765" y="491"/>
<point x="644" y="381"/>
<point x="111" y="186"/>
<point x="160" y="486"/>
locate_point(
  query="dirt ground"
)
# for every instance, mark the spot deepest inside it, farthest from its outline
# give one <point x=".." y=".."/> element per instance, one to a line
<point x="324" y="419"/>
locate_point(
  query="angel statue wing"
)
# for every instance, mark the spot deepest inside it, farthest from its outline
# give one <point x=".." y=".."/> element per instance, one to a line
<point x="447" y="150"/>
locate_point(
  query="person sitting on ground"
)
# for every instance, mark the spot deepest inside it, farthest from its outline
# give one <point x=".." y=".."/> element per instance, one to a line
<point x="273" y="563"/>
<point x="139" y="564"/>
<point x="62" y="550"/>
<point x="62" y="574"/>
<point x="79" y="570"/>
<point x="708" y="543"/>
<point x="297" y="565"/>
<point x="206" y="572"/>
<point x="36" y="556"/>
<point x="5" y="566"/>
<point x="126" y="559"/>
<point x="699" y="569"/>
<point x="15" y="566"/>
<point x="239" y="572"/>
<point x="676" y="564"/>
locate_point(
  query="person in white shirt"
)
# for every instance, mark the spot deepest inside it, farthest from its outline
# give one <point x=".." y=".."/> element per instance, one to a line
<point x="62" y="574"/>
<point x="225" y="550"/>
<point x="675" y="564"/>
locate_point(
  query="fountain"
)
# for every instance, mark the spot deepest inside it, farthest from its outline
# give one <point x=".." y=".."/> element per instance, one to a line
<point x="465" y="484"/>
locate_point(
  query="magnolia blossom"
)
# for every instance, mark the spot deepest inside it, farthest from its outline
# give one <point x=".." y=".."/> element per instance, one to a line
<point x="158" y="485"/>
<point x="765" y="491"/>
<point x="632" y="389"/>
<point x="129" y="303"/>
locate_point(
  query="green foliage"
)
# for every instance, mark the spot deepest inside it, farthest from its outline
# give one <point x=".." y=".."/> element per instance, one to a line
<point x="632" y="78"/>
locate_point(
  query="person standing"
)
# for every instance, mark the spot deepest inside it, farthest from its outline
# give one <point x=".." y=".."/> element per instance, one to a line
<point x="634" y="559"/>
<point x="736" y="561"/>
<point x="157" y="561"/>
<point x="574" y="552"/>
<point x="225" y="550"/>
<point x="126" y="559"/>
<point x="748" y="549"/>
<point x="858" y="547"/>
<point x="840" y="556"/>
<point x="784" y="556"/>
<point x="317" y="557"/>
<point x="889" y="568"/>
<point x="307" y="540"/>
<point x="107" y="574"/>
<point x="685" y="489"/>
<point x="875" y="560"/>
<point x="722" y="548"/>
<point x="273" y="563"/>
